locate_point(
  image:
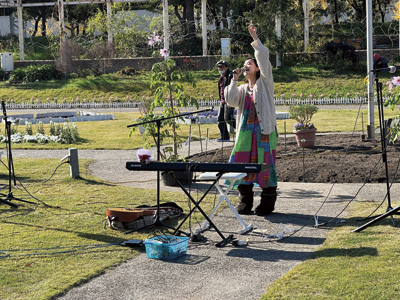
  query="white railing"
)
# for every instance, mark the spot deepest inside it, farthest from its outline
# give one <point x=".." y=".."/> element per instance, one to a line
<point x="213" y="102"/>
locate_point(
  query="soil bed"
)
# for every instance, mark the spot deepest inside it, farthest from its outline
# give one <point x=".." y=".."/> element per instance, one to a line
<point x="341" y="158"/>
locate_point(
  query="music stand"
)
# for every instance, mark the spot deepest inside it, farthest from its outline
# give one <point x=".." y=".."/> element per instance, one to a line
<point x="11" y="173"/>
<point x="158" y="121"/>
<point x="390" y="210"/>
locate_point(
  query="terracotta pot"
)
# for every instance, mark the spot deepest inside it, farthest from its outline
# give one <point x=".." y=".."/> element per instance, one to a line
<point x="308" y="135"/>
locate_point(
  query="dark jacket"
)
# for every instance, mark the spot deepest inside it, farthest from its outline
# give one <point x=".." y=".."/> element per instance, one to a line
<point x="226" y="80"/>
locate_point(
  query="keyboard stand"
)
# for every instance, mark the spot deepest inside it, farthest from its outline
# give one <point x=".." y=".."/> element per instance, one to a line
<point x="232" y="177"/>
<point x="225" y="240"/>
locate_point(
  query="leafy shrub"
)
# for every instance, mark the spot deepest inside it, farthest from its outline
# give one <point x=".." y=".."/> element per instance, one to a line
<point x="188" y="46"/>
<point x="340" y="54"/>
<point x="40" y="128"/>
<point x="127" y="71"/>
<point x="69" y="134"/>
<point x="52" y="128"/>
<point x="28" y="129"/>
<point x="303" y="115"/>
<point x="83" y="73"/>
<point x="35" y="73"/>
<point x="2" y="75"/>
<point x="13" y="129"/>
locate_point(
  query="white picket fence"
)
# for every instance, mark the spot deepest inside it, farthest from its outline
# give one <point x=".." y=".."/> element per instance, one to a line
<point x="203" y="103"/>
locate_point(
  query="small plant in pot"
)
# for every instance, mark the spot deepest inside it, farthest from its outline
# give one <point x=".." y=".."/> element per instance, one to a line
<point x="304" y="130"/>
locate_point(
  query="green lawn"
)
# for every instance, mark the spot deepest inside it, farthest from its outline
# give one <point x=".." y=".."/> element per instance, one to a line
<point x="53" y="248"/>
<point x="114" y="134"/>
<point x="62" y="242"/>
<point x="289" y="81"/>
<point x="348" y="265"/>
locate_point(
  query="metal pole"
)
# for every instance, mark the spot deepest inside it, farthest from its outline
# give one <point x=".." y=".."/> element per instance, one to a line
<point x="370" y="66"/>
<point x="20" y="32"/>
<point x="204" y="25"/>
<point x="110" y="31"/>
<point x="166" y="26"/>
<point x="306" y="23"/>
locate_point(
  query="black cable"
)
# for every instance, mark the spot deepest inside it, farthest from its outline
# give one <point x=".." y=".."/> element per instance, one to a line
<point x="65" y="162"/>
<point x="28" y="191"/>
<point x="74" y="249"/>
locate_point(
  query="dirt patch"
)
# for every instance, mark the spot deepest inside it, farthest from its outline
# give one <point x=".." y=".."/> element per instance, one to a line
<point x="341" y="158"/>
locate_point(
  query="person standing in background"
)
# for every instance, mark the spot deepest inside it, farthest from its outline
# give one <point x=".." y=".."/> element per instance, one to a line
<point x="225" y="113"/>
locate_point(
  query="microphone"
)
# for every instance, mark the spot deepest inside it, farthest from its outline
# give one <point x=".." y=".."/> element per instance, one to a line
<point x="390" y="69"/>
<point x="243" y="69"/>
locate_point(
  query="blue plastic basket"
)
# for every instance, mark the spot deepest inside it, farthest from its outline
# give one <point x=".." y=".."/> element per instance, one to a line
<point x="159" y="250"/>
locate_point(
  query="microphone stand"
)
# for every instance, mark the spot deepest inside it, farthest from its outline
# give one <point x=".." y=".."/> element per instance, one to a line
<point x="11" y="173"/>
<point x="158" y="121"/>
<point x="390" y="210"/>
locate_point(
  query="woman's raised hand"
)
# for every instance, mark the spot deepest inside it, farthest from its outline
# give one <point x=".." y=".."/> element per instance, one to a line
<point x="253" y="30"/>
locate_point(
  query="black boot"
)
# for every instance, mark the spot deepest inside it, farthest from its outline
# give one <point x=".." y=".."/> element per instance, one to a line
<point x="246" y="199"/>
<point x="267" y="204"/>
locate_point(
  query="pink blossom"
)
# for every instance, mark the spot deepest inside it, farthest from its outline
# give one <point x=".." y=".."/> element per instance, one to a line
<point x="164" y="52"/>
<point x="151" y="42"/>
<point x="395" y="81"/>
<point x="301" y="95"/>
<point x="157" y="39"/>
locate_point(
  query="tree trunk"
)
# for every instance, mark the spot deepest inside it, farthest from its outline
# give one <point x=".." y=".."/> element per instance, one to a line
<point x="44" y="20"/>
<point x="224" y="13"/>
<point x="191" y="28"/>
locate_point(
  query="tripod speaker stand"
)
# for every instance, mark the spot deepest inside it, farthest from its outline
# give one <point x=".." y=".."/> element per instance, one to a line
<point x="158" y="121"/>
<point x="11" y="174"/>
<point x="390" y="210"/>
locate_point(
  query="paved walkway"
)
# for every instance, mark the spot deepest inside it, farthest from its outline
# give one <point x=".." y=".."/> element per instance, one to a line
<point x="208" y="272"/>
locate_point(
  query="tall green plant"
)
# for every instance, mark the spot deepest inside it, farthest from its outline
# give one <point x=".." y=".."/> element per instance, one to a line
<point x="170" y="95"/>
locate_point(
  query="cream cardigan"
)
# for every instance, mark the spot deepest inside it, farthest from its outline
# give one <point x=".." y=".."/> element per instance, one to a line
<point x="263" y="93"/>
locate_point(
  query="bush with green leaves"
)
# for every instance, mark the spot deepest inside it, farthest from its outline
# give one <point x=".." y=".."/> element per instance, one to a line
<point x="40" y="128"/>
<point x="35" y="73"/>
<point x="340" y="54"/>
<point x="2" y="75"/>
<point x="302" y="114"/>
<point x="28" y="128"/>
<point x="69" y="133"/>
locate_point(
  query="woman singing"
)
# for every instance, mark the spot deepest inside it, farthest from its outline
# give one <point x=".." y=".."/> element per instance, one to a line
<point x="256" y="134"/>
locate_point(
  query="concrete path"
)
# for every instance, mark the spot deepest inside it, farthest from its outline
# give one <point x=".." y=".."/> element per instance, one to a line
<point x="230" y="272"/>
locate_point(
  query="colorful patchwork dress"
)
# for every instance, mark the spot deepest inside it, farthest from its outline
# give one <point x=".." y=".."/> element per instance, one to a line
<point x="254" y="147"/>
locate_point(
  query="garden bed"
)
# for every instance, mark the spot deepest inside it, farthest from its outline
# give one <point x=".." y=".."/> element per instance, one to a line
<point x="341" y="158"/>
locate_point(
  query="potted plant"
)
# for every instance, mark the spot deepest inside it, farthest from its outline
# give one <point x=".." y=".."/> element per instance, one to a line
<point x="304" y="130"/>
<point x="169" y="96"/>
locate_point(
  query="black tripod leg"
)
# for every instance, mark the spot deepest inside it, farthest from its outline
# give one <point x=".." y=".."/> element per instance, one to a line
<point x="389" y="213"/>
<point x="8" y="203"/>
